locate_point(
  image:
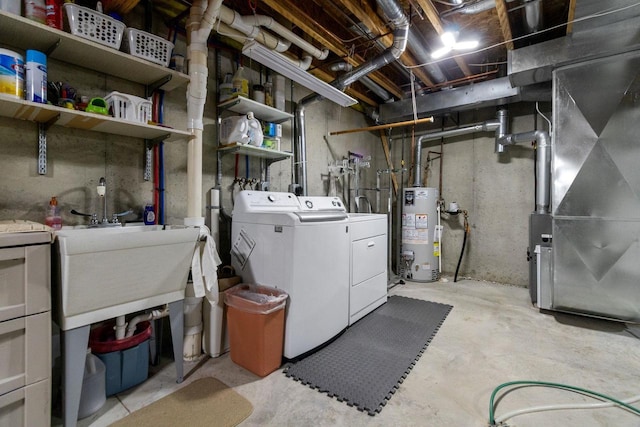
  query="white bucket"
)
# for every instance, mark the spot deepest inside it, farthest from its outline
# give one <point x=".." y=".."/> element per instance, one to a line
<point x="192" y="345"/>
<point x="11" y="74"/>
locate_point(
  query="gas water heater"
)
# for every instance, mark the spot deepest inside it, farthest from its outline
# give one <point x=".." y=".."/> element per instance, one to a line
<point x="420" y="248"/>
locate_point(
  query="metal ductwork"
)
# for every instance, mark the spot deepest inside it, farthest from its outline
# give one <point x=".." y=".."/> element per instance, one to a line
<point x="491" y="93"/>
<point x="417" y="46"/>
<point x="378" y="90"/>
<point x="532" y="15"/>
<point x="543" y="163"/>
<point x="603" y="35"/>
<point x="400" y="24"/>
<point x="499" y="125"/>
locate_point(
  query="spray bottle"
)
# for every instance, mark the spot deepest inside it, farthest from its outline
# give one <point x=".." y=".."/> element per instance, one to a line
<point x="53" y="218"/>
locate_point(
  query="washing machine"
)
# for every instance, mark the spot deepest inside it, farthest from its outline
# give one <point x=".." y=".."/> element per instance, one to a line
<point x="302" y="247"/>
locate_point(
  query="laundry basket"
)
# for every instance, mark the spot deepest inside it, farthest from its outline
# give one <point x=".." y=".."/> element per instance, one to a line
<point x="129" y="107"/>
<point x="147" y="46"/>
<point x="89" y="24"/>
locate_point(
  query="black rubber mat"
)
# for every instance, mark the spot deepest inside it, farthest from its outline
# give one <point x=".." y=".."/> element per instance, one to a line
<point x="366" y="365"/>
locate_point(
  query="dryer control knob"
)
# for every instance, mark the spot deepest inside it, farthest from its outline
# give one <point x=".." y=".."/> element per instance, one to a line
<point x="271" y="198"/>
<point x="309" y="204"/>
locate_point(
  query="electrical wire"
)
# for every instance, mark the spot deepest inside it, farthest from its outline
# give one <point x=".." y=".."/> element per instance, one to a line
<point x="543" y="116"/>
<point x="555" y="27"/>
<point x="464" y="243"/>
<point x="534" y="409"/>
<point x="492" y="420"/>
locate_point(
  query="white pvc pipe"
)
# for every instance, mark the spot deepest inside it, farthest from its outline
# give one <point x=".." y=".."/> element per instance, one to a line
<point x="238" y="22"/>
<point x="199" y="27"/>
<point x="153" y="315"/>
<point x="120" y="327"/>
<point x="270" y="23"/>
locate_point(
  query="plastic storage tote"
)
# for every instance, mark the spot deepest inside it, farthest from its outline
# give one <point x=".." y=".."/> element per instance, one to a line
<point x="255" y="316"/>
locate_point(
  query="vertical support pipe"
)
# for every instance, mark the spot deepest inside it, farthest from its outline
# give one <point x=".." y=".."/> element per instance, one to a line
<point x="543" y="163"/>
<point x="543" y="171"/>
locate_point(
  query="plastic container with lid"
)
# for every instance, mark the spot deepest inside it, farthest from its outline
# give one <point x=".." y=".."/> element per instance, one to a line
<point x="36" y="76"/>
<point x="258" y="93"/>
<point x="226" y="88"/>
<point x="11" y="73"/>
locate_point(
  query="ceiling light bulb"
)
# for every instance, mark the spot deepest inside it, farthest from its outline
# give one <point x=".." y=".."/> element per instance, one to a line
<point x="466" y="45"/>
<point x="448" y="38"/>
<point x="439" y="53"/>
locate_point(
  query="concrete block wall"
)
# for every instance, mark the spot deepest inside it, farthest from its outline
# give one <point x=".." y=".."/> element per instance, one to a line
<point x="496" y="190"/>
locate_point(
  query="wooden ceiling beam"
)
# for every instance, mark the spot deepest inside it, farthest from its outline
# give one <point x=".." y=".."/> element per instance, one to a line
<point x="434" y="18"/>
<point x="503" y="16"/>
<point x="292" y="12"/>
<point x="571" y="16"/>
<point x="362" y="11"/>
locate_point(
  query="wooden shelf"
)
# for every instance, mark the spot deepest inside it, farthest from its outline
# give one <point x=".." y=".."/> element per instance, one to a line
<point x="44" y="113"/>
<point x="243" y="105"/>
<point x="253" y="151"/>
<point x="22" y="33"/>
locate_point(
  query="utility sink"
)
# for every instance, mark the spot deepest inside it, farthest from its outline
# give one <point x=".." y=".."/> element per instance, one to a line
<point x="107" y="272"/>
<point x="102" y="273"/>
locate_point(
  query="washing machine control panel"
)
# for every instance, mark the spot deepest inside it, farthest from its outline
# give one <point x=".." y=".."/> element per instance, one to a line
<point x="321" y="204"/>
<point x="265" y="201"/>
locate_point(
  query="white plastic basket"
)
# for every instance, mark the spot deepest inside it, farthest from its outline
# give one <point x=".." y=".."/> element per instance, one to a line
<point x="147" y="46"/>
<point x="129" y="107"/>
<point x="95" y="26"/>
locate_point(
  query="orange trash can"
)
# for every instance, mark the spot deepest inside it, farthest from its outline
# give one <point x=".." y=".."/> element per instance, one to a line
<point x="255" y="318"/>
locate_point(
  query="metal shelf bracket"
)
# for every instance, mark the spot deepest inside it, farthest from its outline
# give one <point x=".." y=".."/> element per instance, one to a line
<point x="148" y="156"/>
<point x="150" y="88"/>
<point x="42" y="144"/>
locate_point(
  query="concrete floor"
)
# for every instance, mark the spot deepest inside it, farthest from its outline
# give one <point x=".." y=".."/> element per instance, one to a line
<point x="492" y="335"/>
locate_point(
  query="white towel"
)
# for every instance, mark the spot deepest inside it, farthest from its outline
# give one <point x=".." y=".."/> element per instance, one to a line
<point x="204" y="269"/>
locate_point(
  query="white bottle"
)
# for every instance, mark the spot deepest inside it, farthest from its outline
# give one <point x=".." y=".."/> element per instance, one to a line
<point x="35" y="10"/>
<point x="254" y="130"/>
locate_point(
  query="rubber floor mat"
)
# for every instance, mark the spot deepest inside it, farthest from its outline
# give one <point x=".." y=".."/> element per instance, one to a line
<point x="367" y="363"/>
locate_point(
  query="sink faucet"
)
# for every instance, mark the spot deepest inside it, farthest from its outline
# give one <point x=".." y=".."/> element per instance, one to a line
<point x="102" y="191"/>
<point x="115" y="220"/>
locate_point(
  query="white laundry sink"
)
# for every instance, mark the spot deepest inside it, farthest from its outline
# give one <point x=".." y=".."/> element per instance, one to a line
<point x="102" y="273"/>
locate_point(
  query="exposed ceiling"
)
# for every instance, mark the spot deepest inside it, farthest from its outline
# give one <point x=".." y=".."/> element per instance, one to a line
<point x="355" y="31"/>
